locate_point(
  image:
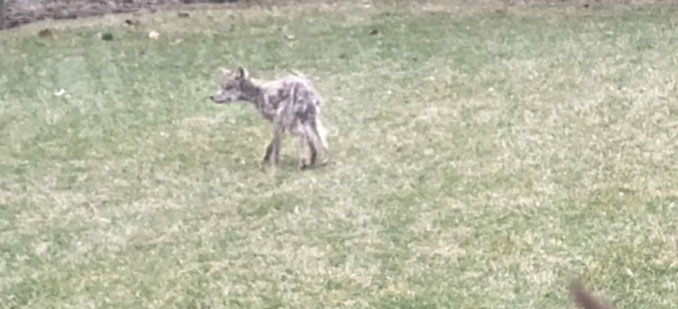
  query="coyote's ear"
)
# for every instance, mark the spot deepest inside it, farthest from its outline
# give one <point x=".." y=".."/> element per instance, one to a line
<point x="242" y="73"/>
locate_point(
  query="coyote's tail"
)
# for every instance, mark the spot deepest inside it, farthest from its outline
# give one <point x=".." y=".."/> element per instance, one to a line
<point x="584" y="299"/>
<point x="320" y="134"/>
<point x="317" y="137"/>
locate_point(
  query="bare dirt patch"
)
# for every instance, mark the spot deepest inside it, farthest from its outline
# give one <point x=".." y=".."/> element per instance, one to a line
<point x="19" y="12"/>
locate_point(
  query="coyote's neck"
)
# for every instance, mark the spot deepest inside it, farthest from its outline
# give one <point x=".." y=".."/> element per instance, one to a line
<point x="251" y="89"/>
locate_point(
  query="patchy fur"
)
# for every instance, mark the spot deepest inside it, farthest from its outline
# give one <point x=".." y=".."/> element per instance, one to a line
<point x="291" y="103"/>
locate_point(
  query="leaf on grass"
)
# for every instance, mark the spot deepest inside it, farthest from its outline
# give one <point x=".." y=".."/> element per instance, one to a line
<point x="45" y="33"/>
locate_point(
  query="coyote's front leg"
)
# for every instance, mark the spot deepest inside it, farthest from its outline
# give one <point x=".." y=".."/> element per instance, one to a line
<point x="273" y="148"/>
<point x="269" y="151"/>
<point x="274" y="145"/>
<point x="303" y="161"/>
<point x="307" y="152"/>
<point x="277" y="143"/>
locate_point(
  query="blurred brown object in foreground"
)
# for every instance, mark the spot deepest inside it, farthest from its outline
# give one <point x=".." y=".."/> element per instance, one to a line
<point x="584" y="299"/>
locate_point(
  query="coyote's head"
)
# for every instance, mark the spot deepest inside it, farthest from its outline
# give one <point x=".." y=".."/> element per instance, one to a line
<point x="231" y="85"/>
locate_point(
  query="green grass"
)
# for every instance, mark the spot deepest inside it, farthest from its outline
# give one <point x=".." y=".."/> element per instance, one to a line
<point x="482" y="157"/>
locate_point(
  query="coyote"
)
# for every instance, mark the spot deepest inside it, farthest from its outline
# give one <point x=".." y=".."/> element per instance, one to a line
<point x="291" y="103"/>
<point x="584" y="299"/>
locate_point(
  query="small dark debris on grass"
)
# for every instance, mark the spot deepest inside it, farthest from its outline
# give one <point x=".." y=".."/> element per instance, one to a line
<point x="183" y="14"/>
<point x="374" y="32"/>
<point x="586" y="5"/>
<point x="45" y="33"/>
<point x="343" y="56"/>
<point x="107" y="36"/>
<point x="132" y="22"/>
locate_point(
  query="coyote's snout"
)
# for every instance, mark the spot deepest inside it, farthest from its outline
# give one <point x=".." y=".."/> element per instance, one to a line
<point x="231" y="86"/>
<point x="291" y="103"/>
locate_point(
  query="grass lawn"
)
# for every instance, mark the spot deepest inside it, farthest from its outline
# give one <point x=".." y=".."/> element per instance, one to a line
<point x="482" y="157"/>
